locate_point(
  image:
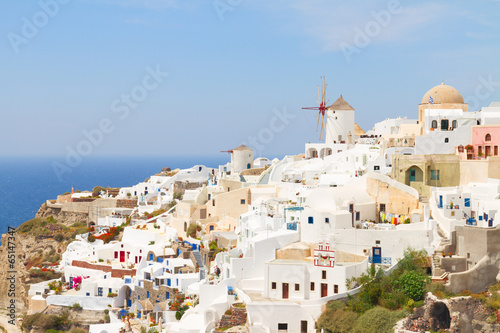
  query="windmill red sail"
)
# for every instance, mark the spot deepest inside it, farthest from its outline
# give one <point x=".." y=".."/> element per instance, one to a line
<point x="321" y="108"/>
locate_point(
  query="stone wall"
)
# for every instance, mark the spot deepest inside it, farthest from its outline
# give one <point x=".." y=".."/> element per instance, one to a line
<point x="126" y="203"/>
<point x="116" y="273"/>
<point x="238" y="317"/>
<point x="396" y="199"/>
<point x="155" y="294"/>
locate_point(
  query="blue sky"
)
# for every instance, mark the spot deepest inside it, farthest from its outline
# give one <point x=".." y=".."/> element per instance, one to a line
<point x="232" y="66"/>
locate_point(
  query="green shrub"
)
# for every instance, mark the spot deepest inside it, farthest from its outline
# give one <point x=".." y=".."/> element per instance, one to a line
<point x="76" y="307"/>
<point x="413" y="285"/>
<point x="59" y="237"/>
<point x="337" y="321"/>
<point x="335" y="305"/>
<point x="107" y="319"/>
<point x="377" y="320"/>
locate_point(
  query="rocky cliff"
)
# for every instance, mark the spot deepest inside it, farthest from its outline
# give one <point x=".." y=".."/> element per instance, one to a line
<point x="33" y="245"/>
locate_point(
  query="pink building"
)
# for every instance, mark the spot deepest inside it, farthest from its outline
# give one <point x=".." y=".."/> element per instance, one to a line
<point x="485" y="141"/>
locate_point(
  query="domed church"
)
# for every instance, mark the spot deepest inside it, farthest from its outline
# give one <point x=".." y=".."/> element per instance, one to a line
<point x="441" y="97"/>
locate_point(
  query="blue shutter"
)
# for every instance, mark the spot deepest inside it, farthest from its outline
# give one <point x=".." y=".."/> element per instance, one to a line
<point x="310" y="220"/>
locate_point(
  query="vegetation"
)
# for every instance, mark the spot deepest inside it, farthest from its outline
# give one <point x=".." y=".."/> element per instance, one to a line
<point x="179" y="313"/>
<point x="193" y="229"/>
<point x="382" y="299"/>
<point x="76" y="307"/>
<point x="44" y="274"/>
<point x="47" y="322"/>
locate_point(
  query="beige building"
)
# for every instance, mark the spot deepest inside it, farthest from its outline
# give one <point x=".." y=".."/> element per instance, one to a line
<point x="425" y="171"/>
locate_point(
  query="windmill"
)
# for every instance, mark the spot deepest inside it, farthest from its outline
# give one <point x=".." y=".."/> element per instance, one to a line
<point x="321" y="108"/>
<point x="226" y="151"/>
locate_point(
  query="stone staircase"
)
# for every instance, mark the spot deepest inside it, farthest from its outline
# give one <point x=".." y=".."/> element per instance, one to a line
<point x="238" y="317"/>
<point x="437" y="271"/>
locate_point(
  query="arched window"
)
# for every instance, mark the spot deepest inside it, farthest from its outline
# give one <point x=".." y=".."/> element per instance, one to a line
<point x="488" y="137"/>
<point x="454" y="124"/>
<point x="434" y="124"/>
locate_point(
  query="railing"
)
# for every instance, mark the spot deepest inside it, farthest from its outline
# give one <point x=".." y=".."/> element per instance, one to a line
<point x="291" y="226"/>
<point x="380" y="260"/>
<point x="452" y="207"/>
<point x="471" y="221"/>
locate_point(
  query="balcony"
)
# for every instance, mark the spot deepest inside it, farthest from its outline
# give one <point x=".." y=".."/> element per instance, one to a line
<point x="471" y="221"/>
<point x="380" y="260"/>
<point x="291" y="226"/>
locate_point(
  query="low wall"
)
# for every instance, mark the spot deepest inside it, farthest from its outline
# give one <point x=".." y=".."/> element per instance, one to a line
<point x="87" y="302"/>
<point x="116" y="273"/>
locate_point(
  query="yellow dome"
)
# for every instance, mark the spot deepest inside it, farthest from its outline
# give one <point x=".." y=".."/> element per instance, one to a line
<point x="443" y="94"/>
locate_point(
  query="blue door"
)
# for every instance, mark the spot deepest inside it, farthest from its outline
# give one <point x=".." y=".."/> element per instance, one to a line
<point x="129" y="302"/>
<point x="377" y="255"/>
<point x="412" y="175"/>
<point x="440" y="201"/>
<point x="490" y="223"/>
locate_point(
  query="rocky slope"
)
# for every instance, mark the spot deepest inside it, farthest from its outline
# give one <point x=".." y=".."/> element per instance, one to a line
<point x="33" y="248"/>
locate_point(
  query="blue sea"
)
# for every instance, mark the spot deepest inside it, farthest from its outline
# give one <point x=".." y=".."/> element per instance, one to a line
<point x="27" y="182"/>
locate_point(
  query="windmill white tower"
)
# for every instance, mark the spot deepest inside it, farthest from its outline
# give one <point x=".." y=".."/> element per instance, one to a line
<point x="339" y="122"/>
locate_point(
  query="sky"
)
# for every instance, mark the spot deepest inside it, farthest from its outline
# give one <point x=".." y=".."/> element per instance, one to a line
<point x="160" y="77"/>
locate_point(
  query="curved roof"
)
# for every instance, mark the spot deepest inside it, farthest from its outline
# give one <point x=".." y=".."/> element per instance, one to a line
<point x="443" y="94"/>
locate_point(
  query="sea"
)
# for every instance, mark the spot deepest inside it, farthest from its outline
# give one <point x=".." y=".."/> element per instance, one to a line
<point x="27" y="182"/>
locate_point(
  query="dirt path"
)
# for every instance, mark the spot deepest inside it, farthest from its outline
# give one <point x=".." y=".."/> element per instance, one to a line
<point x="4" y="322"/>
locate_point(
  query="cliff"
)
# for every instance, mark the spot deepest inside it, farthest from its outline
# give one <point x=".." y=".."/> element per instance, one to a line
<point x="32" y="245"/>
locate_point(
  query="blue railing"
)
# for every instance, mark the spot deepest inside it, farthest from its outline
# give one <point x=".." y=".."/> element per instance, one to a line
<point x="471" y="221"/>
<point x="380" y="260"/>
<point x="291" y="226"/>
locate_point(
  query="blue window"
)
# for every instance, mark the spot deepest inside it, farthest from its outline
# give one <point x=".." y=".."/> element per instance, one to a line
<point x="211" y="228"/>
<point x="129" y="293"/>
<point x="139" y="297"/>
<point x="128" y="280"/>
<point x="467" y="202"/>
<point x="99" y="291"/>
<point x="310" y="220"/>
<point x="88" y="294"/>
<point x="110" y="290"/>
<point x="327" y="220"/>
<point x="480" y="217"/>
<point x="168" y="295"/>
<point x="168" y="283"/>
<point x="147" y="295"/>
<point x="159" y="259"/>
<point x="177" y="281"/>
<point x="150" y="256"/>
<point x="104" y="276"/>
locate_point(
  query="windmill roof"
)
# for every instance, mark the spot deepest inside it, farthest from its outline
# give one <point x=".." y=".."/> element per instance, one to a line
<point x="242" y="147"/>
<point x="358" y="130"/>
<point x="340" y="104"/>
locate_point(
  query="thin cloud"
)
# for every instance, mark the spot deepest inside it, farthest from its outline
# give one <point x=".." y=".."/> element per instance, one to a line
<point x="336" y="23"/>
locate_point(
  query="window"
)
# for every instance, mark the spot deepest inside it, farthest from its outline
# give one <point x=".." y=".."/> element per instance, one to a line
<point x="297" y="287"/>
<point x="167" y="296"/>
<point x="335" y="289"/>
<point x="242" y="201"/>
<point x="282" y="327"/>
<point x="376" y="167"/>
<point x="327" y="220"/>
<point x="467" y="202"/>
<point x="434" y="124"/>
<point x="454" y="124"/>
<point x="110" y="290"/>
<point x="377" y="242"/>
<point x="99" y="291"/>
<point x="310" y="220"/>
<point x="211" y="228"/>
<point x="116" y="254"/>
<point x="460" y="149"/>
<point x="273" y="285"/>
<point x="323" y="275"/>
<point x="351" y="208"/>
<point x="147" y="295"/>
<point x="495" y="150"/>
<point x="138" y="297"/>
<point x="358" y="216"/>
<point x="88" y="294"/>
<point x="487" y="137"/>
<point x="434" y="174"/>
<point x="382" y="207"/>
<point x="185" y="226"/>
<point x="446" y="140"/>
<point x="312" y="286"/>
<point x="452" y="213"/>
